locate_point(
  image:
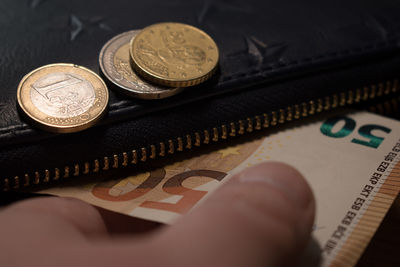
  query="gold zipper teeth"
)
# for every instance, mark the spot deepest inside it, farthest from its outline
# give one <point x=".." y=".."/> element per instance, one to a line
<point x="134" y="157"/>
<point x="387" y="107"/>
<point x="144" y="152"/>
<point x="216" y="134"/>
<point x="87" y="168"/>
<point x="106" y="164"/>
<point x="46" y="176"/>
<point x="125" y="159"/>
<point x="96" y="166"/>
<point x="66" y="173"/>
<point x="162" y="149"/>
<point x="76" y="169"/>
<point x="27" y="180"/>
<point x="188" y="141"/>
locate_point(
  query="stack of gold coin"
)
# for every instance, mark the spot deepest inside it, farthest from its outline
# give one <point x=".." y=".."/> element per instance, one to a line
<point x="160" y="60"/>
<point x="156" y="62"/>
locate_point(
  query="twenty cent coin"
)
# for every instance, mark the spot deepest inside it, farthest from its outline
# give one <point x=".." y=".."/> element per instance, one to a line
<point x="63" y="98"/>
<point x="174" y="54"/>
<point x="115" y="65"/>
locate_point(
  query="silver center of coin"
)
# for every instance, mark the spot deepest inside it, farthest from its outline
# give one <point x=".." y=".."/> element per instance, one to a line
<point x="62" y="95"/>
<point x="116" y="62"/>
<point x="115" y="65"/>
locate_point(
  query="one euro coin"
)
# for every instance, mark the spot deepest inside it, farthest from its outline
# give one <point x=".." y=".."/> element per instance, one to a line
<point x="62" y="98"/>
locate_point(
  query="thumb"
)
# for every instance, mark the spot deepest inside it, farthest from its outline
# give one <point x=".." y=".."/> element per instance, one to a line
<point x="262" y="217"/>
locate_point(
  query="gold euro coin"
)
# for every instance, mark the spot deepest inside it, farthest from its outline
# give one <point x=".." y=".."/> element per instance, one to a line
<point x="63" y="98"/>
<point x="174" y="54"/>
<point x="115" y="65"/>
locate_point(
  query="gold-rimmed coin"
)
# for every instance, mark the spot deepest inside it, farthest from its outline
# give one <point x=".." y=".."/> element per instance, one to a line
<point x="115" y="64"/>
<point x="174" y="54"/>
<point x="63" y="98"/>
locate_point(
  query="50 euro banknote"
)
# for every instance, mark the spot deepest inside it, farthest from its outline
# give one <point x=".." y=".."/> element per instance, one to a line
<point x="350" y="159"/>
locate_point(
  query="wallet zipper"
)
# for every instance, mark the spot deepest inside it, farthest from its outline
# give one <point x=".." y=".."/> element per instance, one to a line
<point x="214" y="135"/>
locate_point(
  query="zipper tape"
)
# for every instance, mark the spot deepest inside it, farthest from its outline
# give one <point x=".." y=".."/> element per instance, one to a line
<point x="208" y="136"/>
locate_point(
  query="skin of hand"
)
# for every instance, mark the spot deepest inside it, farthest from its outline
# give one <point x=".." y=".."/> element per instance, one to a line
<point x="262" y="216"/>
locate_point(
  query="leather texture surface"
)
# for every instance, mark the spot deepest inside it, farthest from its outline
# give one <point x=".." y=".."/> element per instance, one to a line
<point x="274" y="53"/>
<point x="258" y="40"/>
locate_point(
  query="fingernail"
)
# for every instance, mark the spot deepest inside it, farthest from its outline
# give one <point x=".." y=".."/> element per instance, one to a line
<point x="283" y="178"/>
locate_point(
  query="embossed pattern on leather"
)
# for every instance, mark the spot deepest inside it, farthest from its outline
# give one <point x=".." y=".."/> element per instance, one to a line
<point x="259" y="41"/>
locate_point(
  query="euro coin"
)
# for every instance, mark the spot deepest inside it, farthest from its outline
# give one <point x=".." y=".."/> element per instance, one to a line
<point x="174" y="54"/>
<point x="63" y="98"/>
<point x="115" y="65"/>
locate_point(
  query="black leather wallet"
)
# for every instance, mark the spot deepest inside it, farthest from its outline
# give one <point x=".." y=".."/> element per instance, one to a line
<point x="280" y="61"/>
